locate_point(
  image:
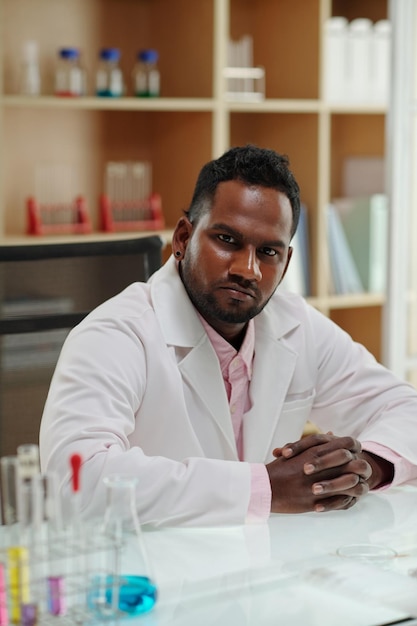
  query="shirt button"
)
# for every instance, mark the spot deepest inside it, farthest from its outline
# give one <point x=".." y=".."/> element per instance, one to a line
<point x="233" y="409"/>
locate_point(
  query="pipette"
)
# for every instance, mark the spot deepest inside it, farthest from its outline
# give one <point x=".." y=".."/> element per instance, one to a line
<point x="78" y="538"/>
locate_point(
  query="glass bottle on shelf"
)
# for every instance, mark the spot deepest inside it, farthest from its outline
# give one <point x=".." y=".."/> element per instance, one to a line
<point x="146" y="79"/>
<point x="109" y="77"/>
<point x="123" y="584"/>
<point x="70" y="78"/>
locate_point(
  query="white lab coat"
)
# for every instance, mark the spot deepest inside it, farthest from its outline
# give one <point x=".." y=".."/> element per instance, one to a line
<point x="138" y="390"/>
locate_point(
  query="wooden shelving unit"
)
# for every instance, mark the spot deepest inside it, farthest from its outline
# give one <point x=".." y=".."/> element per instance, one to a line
<point x="192" y="121"/>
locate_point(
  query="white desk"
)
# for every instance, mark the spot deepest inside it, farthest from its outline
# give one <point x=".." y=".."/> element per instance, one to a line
<point x="258" y="575"/>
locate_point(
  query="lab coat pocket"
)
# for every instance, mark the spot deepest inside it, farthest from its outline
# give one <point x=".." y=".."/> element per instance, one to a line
<point x="295" y="412"/>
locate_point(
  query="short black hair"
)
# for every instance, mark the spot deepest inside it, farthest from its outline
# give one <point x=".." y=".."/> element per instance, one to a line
<point x="252" y="166"/>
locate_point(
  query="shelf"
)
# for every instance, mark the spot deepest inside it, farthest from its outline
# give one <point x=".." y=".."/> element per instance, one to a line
<point x="304" y="106"/>
<point x="348" y="301"/>
<point x="13" y="240"/>
<point x="269" y="105"/>
<point x="357" y="109"/>
<point x="109" y="104"/>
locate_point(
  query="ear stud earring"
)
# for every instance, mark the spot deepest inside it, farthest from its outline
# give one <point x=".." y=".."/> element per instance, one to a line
<point x="178" y="253"/>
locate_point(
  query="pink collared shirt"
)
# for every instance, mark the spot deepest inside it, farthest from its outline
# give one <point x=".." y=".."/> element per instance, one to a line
<point x="236" y="369"/>
<point x="403" y="469"/>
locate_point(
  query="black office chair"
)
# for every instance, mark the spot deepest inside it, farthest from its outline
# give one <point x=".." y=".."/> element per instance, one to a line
<point x="45" y="290"/>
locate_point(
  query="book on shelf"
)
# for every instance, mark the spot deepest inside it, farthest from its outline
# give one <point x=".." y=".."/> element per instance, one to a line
<point x="297" y="278"/>
<point x="365" y="222"/>
<point x="344" y="273"/>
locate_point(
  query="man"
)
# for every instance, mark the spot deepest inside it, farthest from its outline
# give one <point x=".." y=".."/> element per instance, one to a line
<point x="195" y="382"/>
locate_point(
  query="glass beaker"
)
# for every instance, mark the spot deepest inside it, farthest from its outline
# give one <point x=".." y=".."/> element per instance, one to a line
<point x="123" y="585"/>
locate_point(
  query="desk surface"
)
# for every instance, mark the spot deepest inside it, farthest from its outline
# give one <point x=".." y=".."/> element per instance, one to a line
<point x="288" y="572"/>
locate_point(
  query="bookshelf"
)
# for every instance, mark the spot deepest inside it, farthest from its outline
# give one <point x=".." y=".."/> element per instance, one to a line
<point x="192" y="121"/>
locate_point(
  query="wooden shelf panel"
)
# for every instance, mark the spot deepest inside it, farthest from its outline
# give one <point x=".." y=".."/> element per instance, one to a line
<point x="359" y="135"/>
<point x="364" y="324"/>
<point x="372" y="9"/>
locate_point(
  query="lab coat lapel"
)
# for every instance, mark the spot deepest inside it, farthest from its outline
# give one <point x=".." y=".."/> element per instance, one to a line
<point x="199" y="365"/>
<point x="273" y="368"/>
<point x="201" y="369"/>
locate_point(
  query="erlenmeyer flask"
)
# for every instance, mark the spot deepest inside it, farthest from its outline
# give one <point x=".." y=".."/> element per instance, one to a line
<point x="124" y="585"/>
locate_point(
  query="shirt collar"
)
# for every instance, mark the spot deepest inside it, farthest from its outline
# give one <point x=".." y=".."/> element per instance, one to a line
<point x="226" y="352"/>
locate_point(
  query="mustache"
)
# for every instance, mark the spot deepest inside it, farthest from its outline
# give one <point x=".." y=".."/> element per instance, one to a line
<point x="240" y="284"/>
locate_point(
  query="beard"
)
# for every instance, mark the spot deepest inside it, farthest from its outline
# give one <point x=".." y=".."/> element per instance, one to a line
<point x="209" y="307"/>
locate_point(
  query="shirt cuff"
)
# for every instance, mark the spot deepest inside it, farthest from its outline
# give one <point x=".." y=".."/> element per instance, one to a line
<point x="403" y="469"/>
<point x="259" y="507"/>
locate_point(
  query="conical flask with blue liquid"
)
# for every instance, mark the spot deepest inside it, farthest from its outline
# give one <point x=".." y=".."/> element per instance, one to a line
<point x="124" y="585"/>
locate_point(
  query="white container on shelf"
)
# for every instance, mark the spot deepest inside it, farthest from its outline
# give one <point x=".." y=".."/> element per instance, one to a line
<point x="359" y="55"/>
<point x="381" y="61"/>
<point x="335" y="57"/>
<point x="30" y="77"/>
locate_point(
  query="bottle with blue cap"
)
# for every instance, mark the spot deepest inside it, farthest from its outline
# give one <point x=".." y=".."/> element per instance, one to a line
<point x="146" y="81"/>
<point x="109" y="76"/>
<point x="70" y="78"/>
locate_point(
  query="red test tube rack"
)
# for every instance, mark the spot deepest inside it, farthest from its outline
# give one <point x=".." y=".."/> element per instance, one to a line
<point x="131" y="215"/>
<point x="57" y="219"/>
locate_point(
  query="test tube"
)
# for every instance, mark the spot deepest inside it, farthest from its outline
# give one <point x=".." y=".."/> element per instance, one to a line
<point x="4" y="613"/>
<point x="16" y="555"/>
<point x="29" y="616"/>
<point x="46" y="565"/>
<point x="8" y="480"/>
<point x="18" y="580"/>
<point x="28" y="458"/>
<point x="56" y="594"/>
<point x="22" y="558"/>
<point x="48" y="507"/>
<point x="28" y="468"/>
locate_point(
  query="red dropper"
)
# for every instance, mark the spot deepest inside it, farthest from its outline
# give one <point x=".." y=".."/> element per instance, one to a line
<point x="75" y="461"/>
